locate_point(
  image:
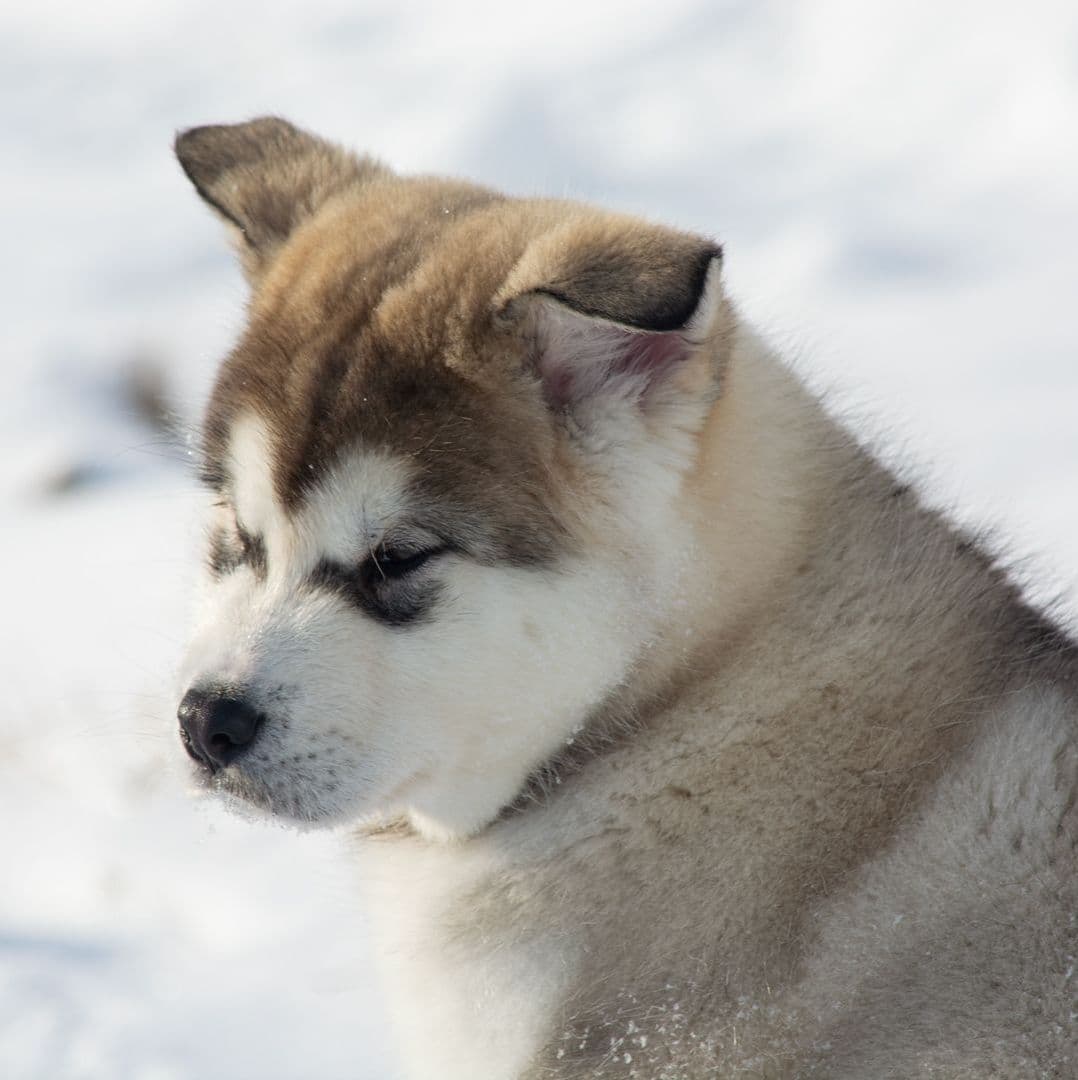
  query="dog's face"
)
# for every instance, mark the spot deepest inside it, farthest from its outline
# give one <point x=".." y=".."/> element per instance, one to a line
<point x="447" y="458"/>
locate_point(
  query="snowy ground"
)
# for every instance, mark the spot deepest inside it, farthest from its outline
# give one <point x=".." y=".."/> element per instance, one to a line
<point x="895" y="186"/>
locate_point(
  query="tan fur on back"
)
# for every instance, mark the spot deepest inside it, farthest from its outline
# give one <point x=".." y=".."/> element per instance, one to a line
<point x="823" y="821"/>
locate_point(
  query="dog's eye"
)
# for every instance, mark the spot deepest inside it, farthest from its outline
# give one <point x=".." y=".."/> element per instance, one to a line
<point x="388" y="584"/>
<point x="389" y="562"/>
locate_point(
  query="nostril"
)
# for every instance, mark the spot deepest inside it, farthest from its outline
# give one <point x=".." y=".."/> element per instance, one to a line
<point x="216" y="728"/>
<point x="231" y="724"/>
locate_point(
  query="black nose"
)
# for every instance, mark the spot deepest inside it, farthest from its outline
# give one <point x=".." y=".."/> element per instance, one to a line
<point x="216" y="728"/>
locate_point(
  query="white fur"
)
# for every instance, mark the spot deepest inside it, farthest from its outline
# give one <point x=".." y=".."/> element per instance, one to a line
<point x="457" y="1014"/>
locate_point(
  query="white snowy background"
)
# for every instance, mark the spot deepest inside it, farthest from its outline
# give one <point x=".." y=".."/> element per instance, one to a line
<point x="896" y="185"/>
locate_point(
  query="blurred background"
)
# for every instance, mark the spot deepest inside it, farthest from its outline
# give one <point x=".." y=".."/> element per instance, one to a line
<point x="896" y="186"/>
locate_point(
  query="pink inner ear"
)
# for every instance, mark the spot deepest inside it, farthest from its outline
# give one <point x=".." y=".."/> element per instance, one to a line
<point x="586" y="359"/>
<point x="652" y="355"/>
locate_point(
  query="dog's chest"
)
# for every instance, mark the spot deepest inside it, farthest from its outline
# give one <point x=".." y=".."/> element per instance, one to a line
<point x="468" y="995"/>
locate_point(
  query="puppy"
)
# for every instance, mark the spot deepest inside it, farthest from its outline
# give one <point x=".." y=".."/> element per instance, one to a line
<point x="679" y="739"/>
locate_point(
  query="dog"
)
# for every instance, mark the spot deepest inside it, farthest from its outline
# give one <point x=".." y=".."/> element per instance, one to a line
<point x="677" y="738"/>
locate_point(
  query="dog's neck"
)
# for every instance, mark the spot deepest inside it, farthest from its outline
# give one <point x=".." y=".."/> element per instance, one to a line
<point x="748" y="512"/>
<point x="749" y="505"/>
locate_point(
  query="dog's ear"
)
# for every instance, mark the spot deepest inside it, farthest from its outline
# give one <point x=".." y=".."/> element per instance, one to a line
<point x="615" y="307"/>
<point x="264" y="177"/>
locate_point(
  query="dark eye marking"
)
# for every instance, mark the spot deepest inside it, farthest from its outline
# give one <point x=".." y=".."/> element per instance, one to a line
<point x="386" y="586"/>
<point x="228" y="552"/>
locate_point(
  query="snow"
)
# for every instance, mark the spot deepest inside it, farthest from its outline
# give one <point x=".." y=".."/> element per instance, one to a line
<point x="895" y="188"/>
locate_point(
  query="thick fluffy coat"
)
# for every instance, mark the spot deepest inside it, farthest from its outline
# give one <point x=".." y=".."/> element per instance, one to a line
<point x="681" y="740"/>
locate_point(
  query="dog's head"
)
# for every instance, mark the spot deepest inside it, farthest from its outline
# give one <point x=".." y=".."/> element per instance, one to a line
<point x="447" y="456"/>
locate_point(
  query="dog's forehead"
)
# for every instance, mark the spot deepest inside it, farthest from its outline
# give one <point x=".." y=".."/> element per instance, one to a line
<point x="374" y="327"/>
<point x="373" y="339"/>
<point x="475" y="461"/>
<point x="351" y="508"/>
<point x="370" y="494"/>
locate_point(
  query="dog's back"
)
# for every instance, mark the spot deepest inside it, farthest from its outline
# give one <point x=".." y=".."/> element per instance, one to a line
<point x="685" y="741"/>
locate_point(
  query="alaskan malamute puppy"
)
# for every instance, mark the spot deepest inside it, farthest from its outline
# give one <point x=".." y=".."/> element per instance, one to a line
<point x="680" y="740"/>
